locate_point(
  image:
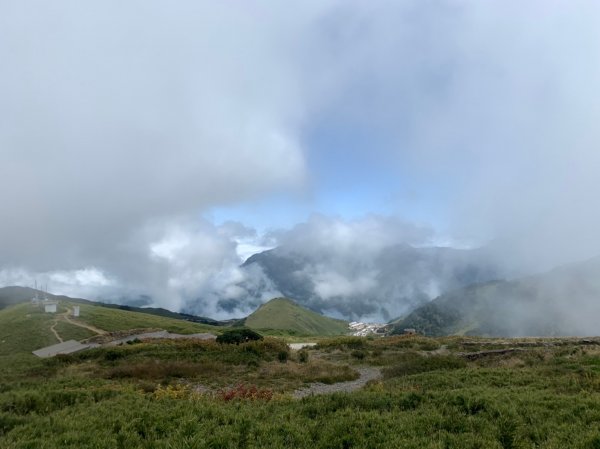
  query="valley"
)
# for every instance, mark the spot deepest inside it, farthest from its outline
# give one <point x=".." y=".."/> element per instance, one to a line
<point x="408" y="391"/>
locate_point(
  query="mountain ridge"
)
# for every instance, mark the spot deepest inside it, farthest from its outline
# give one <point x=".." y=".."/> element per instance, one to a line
<point x="563" y="301"/>
<point x="395" y="279"/>
<point x="11" y="295"/>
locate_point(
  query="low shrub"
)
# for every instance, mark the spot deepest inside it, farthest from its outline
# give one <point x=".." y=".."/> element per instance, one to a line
<point x="237" y="336"/>
<point x="414" y="363"/>
<point x="303" y="356"/>
<point x="415" y="342"/>
<point x="343" y="342"/>
<point x="360" y="355"/>
<point x="172" y="392"/>
<point x="242" y="391"/>
<point x="113" y="354"/>
<point x="155" y="370"/>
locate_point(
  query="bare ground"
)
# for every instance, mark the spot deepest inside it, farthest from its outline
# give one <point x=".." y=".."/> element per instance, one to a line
<point x="367" y="373"/>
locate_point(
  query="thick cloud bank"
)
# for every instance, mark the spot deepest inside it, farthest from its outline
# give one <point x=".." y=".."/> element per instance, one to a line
<point x="115" y="114"/>
<point x="122" y="124"/>
<point x="374" y="268"/>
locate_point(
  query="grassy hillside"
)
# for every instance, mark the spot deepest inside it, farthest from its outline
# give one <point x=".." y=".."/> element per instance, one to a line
<point x="564" y="301"/>
<point x="284" y="314"/>
<point x="16" y="295"/>
<point x="110" y="319"/>
<point x="24" y="328"/>
<point x="434" y="393"/>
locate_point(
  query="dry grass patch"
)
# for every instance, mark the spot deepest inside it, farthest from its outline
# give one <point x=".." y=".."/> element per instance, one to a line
<point x="313" y="371"/>
<point x="163" y="370"/>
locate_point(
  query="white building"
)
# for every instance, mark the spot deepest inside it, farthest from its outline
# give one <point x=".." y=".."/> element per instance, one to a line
<point x="50" y="307"/>
<point x="75" y="311"/>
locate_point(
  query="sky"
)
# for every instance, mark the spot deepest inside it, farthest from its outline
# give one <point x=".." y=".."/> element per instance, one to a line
<point x="149" y="147"/>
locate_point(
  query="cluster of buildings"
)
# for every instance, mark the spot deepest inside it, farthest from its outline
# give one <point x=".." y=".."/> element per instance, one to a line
<point x="359" y="329"/>
<point x="49" y="305"/>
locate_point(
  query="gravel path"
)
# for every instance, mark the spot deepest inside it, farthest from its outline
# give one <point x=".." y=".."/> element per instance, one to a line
<point x="366" y="374"/>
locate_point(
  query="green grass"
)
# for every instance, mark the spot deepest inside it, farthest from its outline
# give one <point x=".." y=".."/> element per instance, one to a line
<point x="24" y="328"/>
<point x="145" y="395"/>
<point x="550" y="403"/>
<point x="116" y="320"/>
<point x="284" y="315"/>
<point x="71" y="332"/>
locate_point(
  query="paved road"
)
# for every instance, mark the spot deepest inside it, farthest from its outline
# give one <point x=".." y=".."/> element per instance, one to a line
<point x="366" y="374"/>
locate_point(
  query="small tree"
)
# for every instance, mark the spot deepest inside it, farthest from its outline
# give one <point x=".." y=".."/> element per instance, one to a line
<point x="237" y="336"/>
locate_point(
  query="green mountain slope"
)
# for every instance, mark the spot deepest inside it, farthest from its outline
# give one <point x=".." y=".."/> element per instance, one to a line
<point x="23" y="330"/>
<point x="25" y="327"/>
<point x="564" y="301"/>
<point x="110" y="319"/>
<point x="284" y="314"/>
<point x="16" y="295"/>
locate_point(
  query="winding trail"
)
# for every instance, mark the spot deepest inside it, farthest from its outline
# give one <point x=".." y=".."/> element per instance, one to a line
<point x="94" y="329"/>
<point x="53" y="329"/>
<point x="367" y="374"/>
<point x="66" y="317"/>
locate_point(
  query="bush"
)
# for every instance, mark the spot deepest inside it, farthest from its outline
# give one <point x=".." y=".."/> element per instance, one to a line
<point x="282" y="356"/>
<point x="360" y="355"/>
<point x="303" y="356"/>
<point x="237" y="336"/>
<point x="113" y="354"/>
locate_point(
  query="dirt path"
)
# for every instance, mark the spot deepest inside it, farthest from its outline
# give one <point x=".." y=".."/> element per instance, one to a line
<point x="52" y="328"/>
<point x="77" y="323"/>
<point x="65" y="317"/>
<point x="366" y="374"/>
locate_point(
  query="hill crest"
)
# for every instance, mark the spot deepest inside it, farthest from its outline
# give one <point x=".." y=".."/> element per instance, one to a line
<point x="286" y="315"/>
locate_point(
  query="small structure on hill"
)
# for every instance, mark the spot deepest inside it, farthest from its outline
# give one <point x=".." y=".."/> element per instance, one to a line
<point x="50" y="306"/>
<point x="410" y="331"/>
<point x="75" y="311"/>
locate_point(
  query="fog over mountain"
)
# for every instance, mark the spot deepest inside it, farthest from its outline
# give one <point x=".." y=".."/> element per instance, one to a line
<point x="147" y="149"/>
<point x="531" y="306"/>
<point x="326" y="264"/>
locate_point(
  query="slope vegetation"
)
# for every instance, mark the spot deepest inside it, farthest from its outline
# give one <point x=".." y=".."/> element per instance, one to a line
<point x="564" y="301"/>
<point x="284" y="314"/>
<point x="15" y="295"/>
<point x="25" y="327"/>
<point x="110" y="320"/>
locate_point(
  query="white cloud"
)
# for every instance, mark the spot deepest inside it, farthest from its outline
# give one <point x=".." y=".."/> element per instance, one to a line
<point x="118" y="118"/>
<point x="330" y="284"/>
